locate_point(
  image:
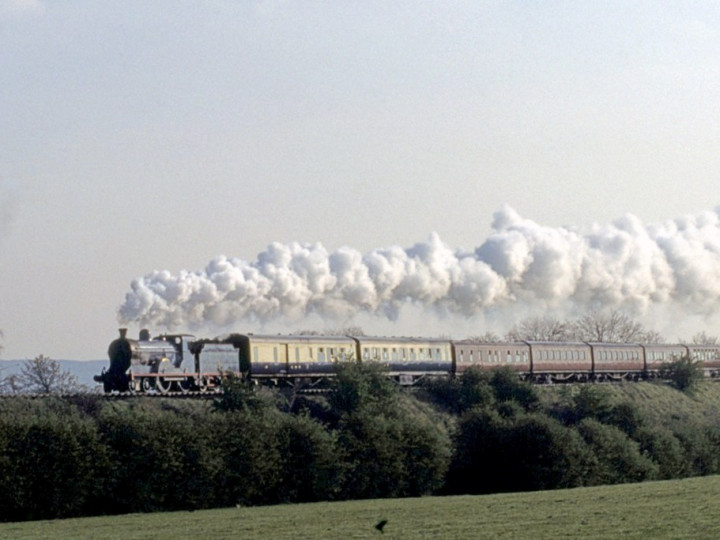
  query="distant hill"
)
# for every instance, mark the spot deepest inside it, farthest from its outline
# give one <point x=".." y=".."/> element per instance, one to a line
<point x="83" y="370"/>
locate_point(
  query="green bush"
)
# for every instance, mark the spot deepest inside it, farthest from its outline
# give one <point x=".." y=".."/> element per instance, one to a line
<point x="618" y="458"/>
<point x="516" y="453"/>
<point x="660" y="445"/>
<point x="160" y="460"/>
<point x="684" y="373"/>
<point x="310" y="463"/>
<point x="48" y="463"/>
<point x="252" y="458"/>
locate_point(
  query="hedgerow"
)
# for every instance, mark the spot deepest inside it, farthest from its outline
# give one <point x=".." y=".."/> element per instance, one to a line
<point x="367" y="438"/>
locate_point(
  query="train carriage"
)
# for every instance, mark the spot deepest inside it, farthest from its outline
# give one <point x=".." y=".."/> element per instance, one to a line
<point x="317" y="355"/>
<point x="277" y="357"/>
<point x="616" y="361"/>
<point x="658" y="354"/>
<point x="560" y="361"/>
<point x="708" y="356"/>
<point x="513" y="355"/>
<point x="407" y="359"/>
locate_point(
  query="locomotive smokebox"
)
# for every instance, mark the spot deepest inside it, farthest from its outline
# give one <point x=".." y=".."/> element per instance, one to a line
<point x="144" y="334"/>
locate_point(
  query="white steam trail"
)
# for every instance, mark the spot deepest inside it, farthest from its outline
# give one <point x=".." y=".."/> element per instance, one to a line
<point x="625" y="265"/>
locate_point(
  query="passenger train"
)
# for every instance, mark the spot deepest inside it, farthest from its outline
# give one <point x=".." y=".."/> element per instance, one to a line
<point x="182" y="363"/>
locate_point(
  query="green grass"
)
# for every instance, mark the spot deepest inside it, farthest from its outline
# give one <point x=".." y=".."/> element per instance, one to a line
<point x="658" y="401"/>
<point x="672" y="509"/>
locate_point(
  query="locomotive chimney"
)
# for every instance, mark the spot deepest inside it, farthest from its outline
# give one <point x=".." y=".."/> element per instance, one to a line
<point x="144" y="334"/>
<point x="123" y="331"/>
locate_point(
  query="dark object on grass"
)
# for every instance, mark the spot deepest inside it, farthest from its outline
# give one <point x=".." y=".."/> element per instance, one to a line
<point x="380" y="524"/>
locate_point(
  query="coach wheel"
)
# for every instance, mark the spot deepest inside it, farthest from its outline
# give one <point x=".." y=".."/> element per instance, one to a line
<point x="162" y="385"/>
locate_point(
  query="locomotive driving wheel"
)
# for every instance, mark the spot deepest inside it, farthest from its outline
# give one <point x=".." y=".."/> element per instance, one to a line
<point x="184" y="385"/>
<point x="163" y="385"/>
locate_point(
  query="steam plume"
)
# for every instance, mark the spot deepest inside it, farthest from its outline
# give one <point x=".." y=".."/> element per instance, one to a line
<point x="626" y="265"/>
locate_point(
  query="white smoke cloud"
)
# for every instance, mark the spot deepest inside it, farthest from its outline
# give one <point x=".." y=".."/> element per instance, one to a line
<point x="521" y="266"/>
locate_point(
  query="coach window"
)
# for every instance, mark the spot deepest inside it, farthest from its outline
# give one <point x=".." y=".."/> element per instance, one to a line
<point x="255" y="353"/>
<point x="394" y="355"/>
<point x="366" y="353"/>
<point x="275" y="358"/>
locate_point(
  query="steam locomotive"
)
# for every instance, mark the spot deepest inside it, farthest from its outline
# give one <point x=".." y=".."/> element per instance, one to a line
<point x="182" y="363"/>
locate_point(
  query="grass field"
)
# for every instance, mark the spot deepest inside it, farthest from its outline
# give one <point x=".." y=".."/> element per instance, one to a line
<point x="673" y="509"/>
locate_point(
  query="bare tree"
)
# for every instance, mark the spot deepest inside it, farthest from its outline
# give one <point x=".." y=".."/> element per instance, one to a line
<point x="612" y="327"/>
<point x="701" y="338"/>
<point x="44" y="375"/>
<point x="540" y="329"/>
<point x="347" y="331"/>
<point x="10" y="384"/>
<point x="487" y="337"/>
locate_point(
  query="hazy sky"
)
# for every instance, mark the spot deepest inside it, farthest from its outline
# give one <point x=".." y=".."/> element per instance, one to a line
<point x="158" y="135"/>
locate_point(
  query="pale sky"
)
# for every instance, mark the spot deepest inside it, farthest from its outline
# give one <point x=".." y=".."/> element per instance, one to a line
<point x="143" y="136"/>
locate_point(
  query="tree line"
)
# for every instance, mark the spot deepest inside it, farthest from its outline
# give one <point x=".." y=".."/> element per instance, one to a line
<point x="367" y="438"/>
